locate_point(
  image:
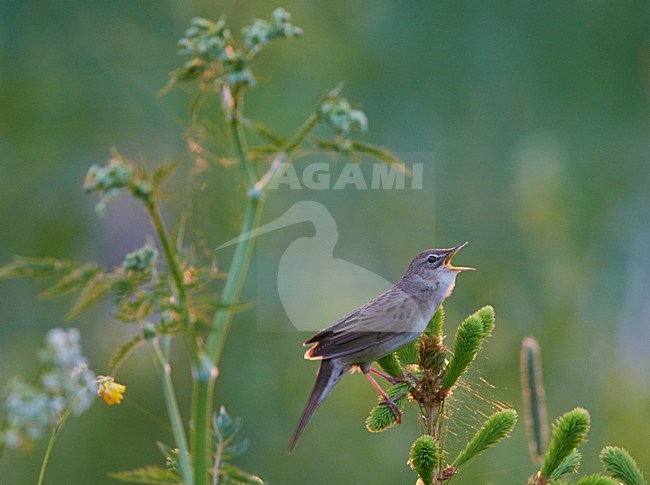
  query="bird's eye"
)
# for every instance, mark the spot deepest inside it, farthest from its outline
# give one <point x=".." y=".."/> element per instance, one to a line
<point x="432" y="259"/>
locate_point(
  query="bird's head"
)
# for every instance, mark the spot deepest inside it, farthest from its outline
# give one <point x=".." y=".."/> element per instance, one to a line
<point x="433" y="267"/>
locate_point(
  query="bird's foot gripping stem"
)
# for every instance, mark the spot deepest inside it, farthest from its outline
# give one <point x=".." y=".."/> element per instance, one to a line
<point x="408" y="377"/>
<point x="387" y="401"/>
<point x="394" y="409"/>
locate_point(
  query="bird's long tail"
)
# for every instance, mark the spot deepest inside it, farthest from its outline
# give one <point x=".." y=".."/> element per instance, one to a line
<point x="329" y="374"/>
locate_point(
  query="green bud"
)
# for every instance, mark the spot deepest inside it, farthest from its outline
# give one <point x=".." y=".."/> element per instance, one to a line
<point x="431" y="353"/>
<point x="424" y="457"/>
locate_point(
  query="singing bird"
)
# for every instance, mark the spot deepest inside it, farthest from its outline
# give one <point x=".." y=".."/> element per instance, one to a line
<point x="381" y="326"/>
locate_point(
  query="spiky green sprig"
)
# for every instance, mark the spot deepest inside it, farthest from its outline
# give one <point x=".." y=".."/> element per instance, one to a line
<point x="381" y="417"/>
<point x="569" y="432"/>
<point x="620" y="465"/>
<point x="497" y="427"/>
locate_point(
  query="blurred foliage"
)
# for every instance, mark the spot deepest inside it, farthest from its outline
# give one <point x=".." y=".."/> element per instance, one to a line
<point x="538" y="118"/>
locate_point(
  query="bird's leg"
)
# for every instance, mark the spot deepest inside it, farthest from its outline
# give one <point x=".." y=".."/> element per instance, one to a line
<point x="408" y="377"/>
<point x="388" y="377"/>
<point x="387" y="400"/>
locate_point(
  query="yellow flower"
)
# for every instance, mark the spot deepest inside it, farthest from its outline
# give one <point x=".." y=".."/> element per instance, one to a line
<point x="111" y="391"/>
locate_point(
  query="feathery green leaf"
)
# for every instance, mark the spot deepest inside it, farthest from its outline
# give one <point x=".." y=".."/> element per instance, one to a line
<point x="497" y="427"/>
<point x="390" y="365"/>
<point x="95" y="291"/>
<point x="596" y="479"/>
<point x="236" y="475"/>
<point x="150" y="475"/>
<point x="408" y="355"/>
<point x="570" y="431"/>
<point x="434" y="327"/>
<point x="569" y="465"/>
<point x="381" y="417"/>
<point x="36" y="267"/>
<point x="467" y="343"/>
<point x="620" y="464"/>
<point x="72" y="281"/>
<point x="123" y="351"/>
<point x="488" y="319"/>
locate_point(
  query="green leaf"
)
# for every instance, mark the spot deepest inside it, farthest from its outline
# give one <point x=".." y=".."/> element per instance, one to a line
<point x="95" y="291"/>
<point x="620" y="464"/>
<point x="224" y="430"/>
<point x="434" y="327"/>
<point x="123" y="351"/>
<point x="569" y="432"/>
<point x="36" y="267"/>
<point x="150" y="475"/>
<point x="408" y="355"/>
<point x="265" y="132"/>
<point x="423" y="457"/>
<point x="235" y="475"/>
<point x="497" y="427"/>
<point x="382" y="154"/>
<point x="381" y="417"/>
<point x="390" y="365"/>
<point x="72" y="281"/>
<point x="134" y="309"/>
<point x="488" y="319"/>
<point x="596" y="479"/>
<point x="225" y="426"/>
<point x="467" y="343"/>
<point x="161" y="174"/>
<point x="569" y="465"/>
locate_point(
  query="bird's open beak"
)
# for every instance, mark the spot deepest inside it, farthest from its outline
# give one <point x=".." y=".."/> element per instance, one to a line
<point x="450" y="254"/>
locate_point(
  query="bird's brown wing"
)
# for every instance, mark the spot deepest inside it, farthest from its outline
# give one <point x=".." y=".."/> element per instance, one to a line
<point x="390" y="316"/>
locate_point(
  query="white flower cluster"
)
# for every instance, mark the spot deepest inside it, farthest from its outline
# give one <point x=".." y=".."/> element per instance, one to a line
<point x="65" y="381"/>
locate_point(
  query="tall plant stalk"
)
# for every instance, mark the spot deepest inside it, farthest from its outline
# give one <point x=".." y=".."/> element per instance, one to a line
<point x="174" y="298"/>
<point x="255" y="197"/>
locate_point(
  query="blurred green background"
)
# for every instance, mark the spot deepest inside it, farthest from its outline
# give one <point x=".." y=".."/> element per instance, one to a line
<point x="538" y="118"/>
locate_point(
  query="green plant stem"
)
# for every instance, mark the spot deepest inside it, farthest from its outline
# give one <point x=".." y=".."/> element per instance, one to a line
<point x="199" y="433"/>
<point x="303" y="131"/>
<point x="203" y="385"/>
<point x="203" y="380"/>
<point x="234" y="282"/>
<point x="170" y="256"/>
<point x="172" y="408"/>
<point x="50" y="445"/>
<point x="202" y="390"/>
<point x="439" y="435"/>
<point x="161" y="232"/>
<point x="239" y="137"/>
